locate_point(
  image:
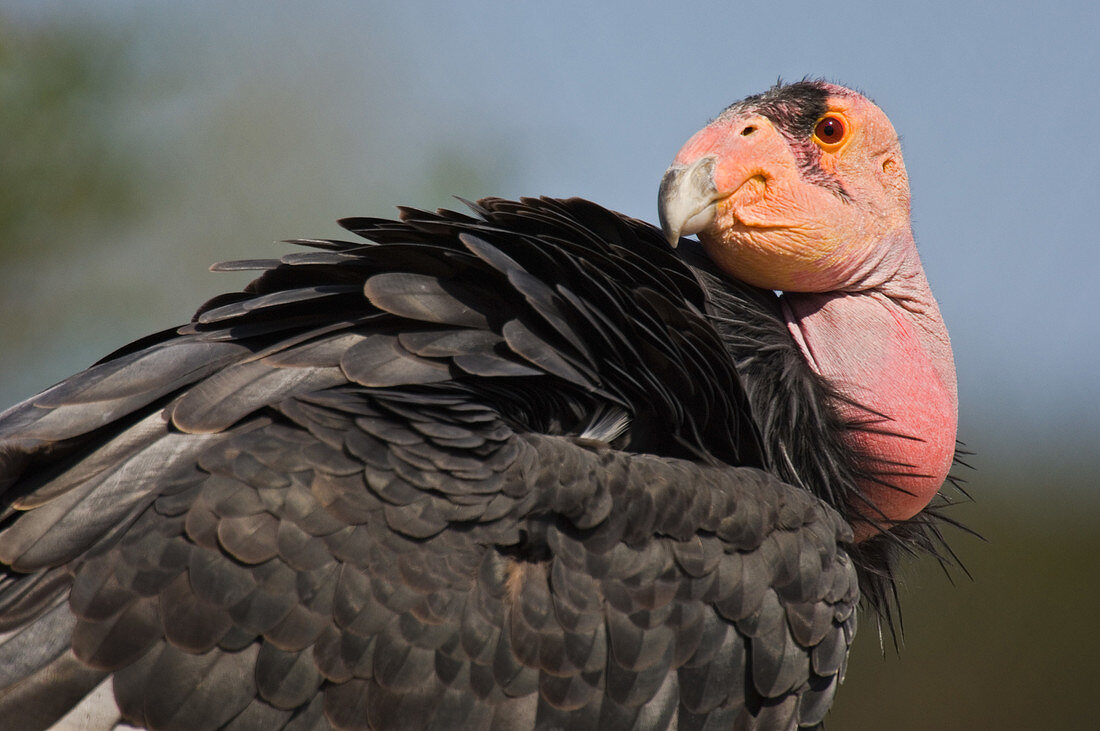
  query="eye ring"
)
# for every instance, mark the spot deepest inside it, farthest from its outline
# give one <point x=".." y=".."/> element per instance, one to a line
<point x="831" y="131"/>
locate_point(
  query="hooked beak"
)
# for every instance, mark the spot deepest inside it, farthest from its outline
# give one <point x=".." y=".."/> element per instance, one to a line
<point x="685" y="202"/>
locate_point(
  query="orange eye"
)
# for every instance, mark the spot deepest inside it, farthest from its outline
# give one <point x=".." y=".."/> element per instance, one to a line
<point x="829" y="131"/>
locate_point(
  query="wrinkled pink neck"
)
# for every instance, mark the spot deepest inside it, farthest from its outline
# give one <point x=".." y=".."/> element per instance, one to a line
<point x="886" y="348"/>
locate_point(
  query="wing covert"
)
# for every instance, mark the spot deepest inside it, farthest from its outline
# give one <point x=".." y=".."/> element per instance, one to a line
<point x="360" y="495"/>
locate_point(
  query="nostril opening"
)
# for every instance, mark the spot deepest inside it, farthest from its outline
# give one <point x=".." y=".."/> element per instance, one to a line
<point x="748" y="131"/>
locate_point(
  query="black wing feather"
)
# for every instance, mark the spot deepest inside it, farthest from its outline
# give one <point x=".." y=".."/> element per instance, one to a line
<point x="359" y="495"/>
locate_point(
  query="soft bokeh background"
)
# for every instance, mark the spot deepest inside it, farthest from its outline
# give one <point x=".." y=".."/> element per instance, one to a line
<point x="141" y="141"/>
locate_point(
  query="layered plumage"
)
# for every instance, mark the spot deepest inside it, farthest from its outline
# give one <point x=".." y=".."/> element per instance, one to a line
<point x="525" y="468"/>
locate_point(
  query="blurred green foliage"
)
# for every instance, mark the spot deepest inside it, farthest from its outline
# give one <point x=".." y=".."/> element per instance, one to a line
<point x="64" y="157"/>
<point x="1013" y="647"/>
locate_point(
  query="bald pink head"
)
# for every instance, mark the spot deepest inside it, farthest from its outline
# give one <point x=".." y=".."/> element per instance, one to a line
<point x="803" y="189"/>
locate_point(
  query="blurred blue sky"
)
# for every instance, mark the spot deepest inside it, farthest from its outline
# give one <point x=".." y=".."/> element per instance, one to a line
<point x="355" y="104"/>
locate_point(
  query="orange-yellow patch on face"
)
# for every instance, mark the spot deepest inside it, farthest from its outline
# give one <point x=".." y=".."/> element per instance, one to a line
<point x="776" y="228"/>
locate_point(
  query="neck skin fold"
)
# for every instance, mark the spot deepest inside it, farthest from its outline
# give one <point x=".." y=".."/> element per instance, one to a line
<point x="882" y="344"/>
